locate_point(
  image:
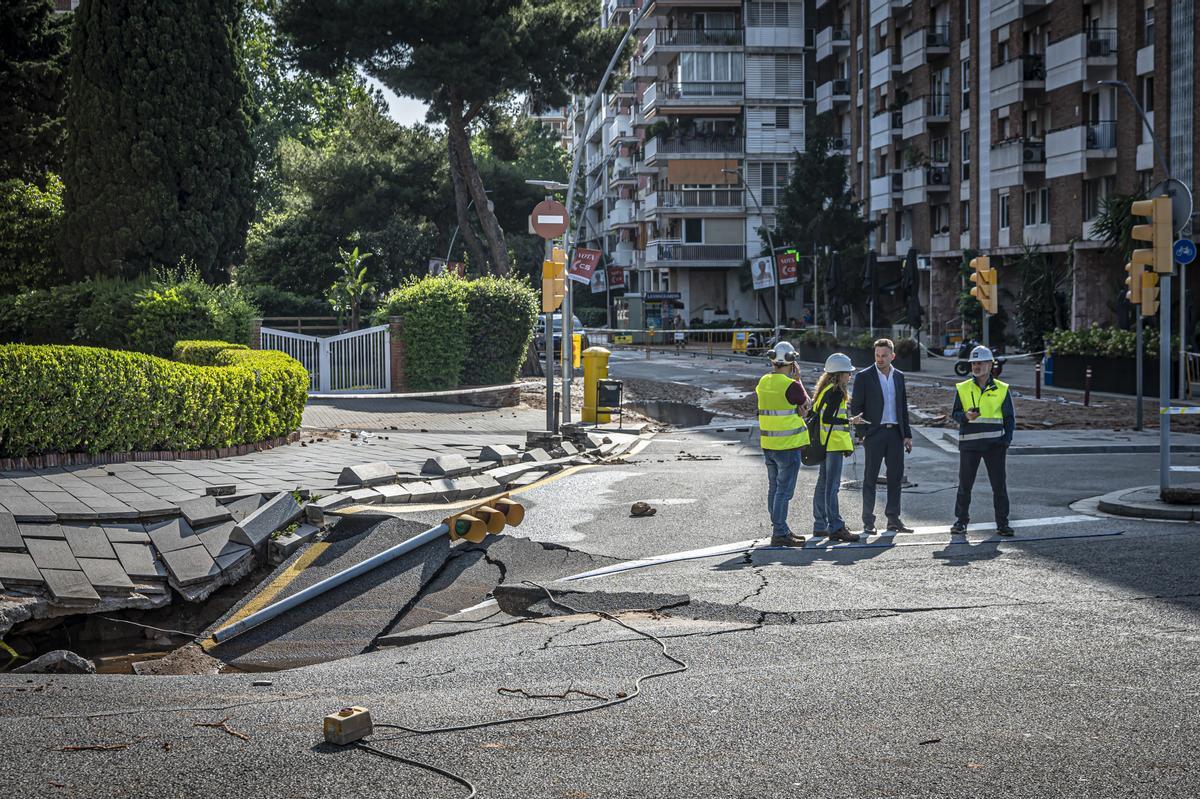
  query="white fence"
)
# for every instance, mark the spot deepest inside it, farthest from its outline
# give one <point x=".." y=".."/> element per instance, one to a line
<point x="358" y="362"/>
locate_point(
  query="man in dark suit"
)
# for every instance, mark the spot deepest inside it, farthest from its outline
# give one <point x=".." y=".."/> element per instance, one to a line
<point x="880" y="396"/>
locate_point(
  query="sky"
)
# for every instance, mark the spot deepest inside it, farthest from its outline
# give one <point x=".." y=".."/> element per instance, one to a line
<point x="404" y="110"/>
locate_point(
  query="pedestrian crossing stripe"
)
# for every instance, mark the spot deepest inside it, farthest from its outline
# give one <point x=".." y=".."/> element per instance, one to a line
<point x="1175" y="410"/>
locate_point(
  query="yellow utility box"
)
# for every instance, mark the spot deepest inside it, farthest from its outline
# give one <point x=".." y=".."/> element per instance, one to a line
<point x="576" y="346"/>
<point x="740" y="337"/>
<point x="595" y="369"/>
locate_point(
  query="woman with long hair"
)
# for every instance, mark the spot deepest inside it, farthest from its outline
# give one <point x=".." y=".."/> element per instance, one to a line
<point x="830" y="406"/>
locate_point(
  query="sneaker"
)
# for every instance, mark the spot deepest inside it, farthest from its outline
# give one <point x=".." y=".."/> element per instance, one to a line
<point x="898" y="527"/>
<point x="843" y="535"/>
<point x="789" y="540"/>
<point x="870" y="531"/>
<point x="1005" y="531"/>
<point x="958" y="528"/>
<point x="819" y="533"/>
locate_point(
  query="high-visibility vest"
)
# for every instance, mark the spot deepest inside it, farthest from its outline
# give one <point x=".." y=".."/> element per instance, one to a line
<point x="779" y="425"/>
<point x="990" y="402"/>
<point x="837" y="434"/>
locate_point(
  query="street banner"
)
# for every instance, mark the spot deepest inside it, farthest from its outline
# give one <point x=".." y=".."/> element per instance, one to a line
<point x="763" y="272"/>
<point x="616" y="277"/>
<point x="788" y="268"/>
<point x="600" y="281"/>
<point x="584" y="264"/>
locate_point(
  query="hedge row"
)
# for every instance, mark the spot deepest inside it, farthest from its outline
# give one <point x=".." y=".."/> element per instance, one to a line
<point x="462" y="332"/>
<point x="83" y="399"/>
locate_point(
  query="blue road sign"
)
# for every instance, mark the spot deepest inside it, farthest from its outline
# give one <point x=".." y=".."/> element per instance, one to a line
<point x="1185" y="251"/>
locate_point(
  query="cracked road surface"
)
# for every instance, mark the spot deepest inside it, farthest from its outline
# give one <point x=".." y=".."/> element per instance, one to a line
<point x="1046" y="665"/>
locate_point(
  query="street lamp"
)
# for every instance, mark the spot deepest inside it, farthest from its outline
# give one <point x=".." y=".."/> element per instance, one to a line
<point x="1162" y="161"/>
<point x="770" y="240"/>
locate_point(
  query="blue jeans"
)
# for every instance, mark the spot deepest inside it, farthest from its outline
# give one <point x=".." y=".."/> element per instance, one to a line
<point x="826" y="515"/>
<point x="783" y="465"/>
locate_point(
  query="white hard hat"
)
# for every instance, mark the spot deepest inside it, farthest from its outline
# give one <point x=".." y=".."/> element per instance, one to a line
<point x="981" y="354"/>
<point x="782" y="354"/>
<point x="838" y="362"/>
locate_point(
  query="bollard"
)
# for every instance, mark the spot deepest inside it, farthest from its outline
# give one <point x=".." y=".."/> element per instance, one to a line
<point x="1037" y="380"/>
<point x="595" y="369"/>
<point x="557" y="405"/>
<point x="1087" y="386"/>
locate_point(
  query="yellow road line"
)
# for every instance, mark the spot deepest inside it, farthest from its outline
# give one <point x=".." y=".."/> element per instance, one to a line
<point x="288" y="575"/>
<point x="273" y="589"/>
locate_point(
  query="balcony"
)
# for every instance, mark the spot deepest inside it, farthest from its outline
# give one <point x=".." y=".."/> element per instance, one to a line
<point x="1069" y="151"/>
<point x="626" y="89"/>
<point x="1006" y="11"/>
<point x="1085" y="56"/>
<point x="829" y="40"/>
<point x="923" y="183"/>
<point x="672" y="252"/>
<point x="1011" y="79"/>
<point x="884" y="126"/>
<point x="623" y="176"/>
<point x="700" y="145"/>
<point x="661" y="45"/>
<point x="621" y="214"/>
<point x="883" y="64"/>
<point x="885" y="189"/>
<point x="1015" y="158"/>
<point x="622" y="258"/>
<point x="621" y="133"/>
<point x="691" y="95"/>
<point x="919" y="115"/>
<point x="683" y="200"/>
<point x="924" y="45"/>
<point x="833" y="93"/>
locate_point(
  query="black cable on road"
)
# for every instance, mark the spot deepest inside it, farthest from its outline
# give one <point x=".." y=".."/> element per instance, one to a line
<point x="420" y="764"/>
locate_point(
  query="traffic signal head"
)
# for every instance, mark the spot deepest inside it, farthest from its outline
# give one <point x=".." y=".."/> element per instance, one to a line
<point x="984" y="278"/>
<point x="1160" y="233"/>
<point x="1134" y="282"/>
<point x="1149" y="295"/>
<point x="554" y="284"/>
<point x="476" y="522"/>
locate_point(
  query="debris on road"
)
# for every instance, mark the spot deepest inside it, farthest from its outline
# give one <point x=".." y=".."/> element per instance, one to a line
<point x="640" y="509"/>
<point x="221" y="725"/>
<point x="60" y="661"/>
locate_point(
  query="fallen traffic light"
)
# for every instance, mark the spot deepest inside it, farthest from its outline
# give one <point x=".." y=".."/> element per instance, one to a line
<point x="476" y="522"/>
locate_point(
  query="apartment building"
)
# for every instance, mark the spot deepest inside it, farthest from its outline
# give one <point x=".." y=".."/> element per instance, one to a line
<point x="690" y="154"/>
<point x="989" y="126"/>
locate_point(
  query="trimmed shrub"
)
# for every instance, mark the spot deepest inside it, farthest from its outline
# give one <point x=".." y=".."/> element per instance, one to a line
<point x="434" y="310"/>
<point x="500" y="316"/>
<point x="84" y="399"/>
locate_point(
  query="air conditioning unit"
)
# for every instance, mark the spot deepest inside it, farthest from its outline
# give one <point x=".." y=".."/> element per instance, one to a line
<point x="1093" y="141"/>
<point x="1099" y="48"/>
<point x="839" y="143"/>
<point x="841" y="86"/>
<point x="937" y="177"/>
<point x="1034" y="154"/>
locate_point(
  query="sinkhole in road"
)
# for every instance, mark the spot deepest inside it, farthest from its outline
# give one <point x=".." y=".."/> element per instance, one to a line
<point x="672" y="412"/>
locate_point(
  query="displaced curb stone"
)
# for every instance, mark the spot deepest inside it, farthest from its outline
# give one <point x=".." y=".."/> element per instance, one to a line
<point x="204" y="511"/>
<point x="279" y="511"/>
<point x="536" y="454"/>
<point x="501" y="453"/>
<point x="446" y="466"/>
<point x="365" y="475"/>
<point x="282" y="547"/>
<point x="393" y="494"/>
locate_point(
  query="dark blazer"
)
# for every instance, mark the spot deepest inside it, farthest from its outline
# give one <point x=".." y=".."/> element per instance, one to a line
<point x="867" y="399"/>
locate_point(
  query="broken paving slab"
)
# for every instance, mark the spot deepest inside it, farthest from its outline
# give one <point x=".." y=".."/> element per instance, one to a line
<point x="139" y="562"/>
<point x="10" y="534"/>
<point x="500" y="453"/>
<point x="568" y="448"/>
<point x="172" y="534"/>
<point x="244" y="506"/>
<point x="528" y="478"/>
<point x="106" y="576"/>
<point x="393" y="494"/>
<point x="129" y="533"/>
<point x="278" y="512"/>
<point x="17" y="568"/>
<point x="69" y="587"/>
<point x="445" y="489"/>
<point x="203" y="511"/>
<point x="89" y="542"/>
<point x="282" y="547"/>
<point x="217" y="539"/>
<point x="41" y="531"/>
<point x="536" y="454"/>
<point x="365" y="475"/>
<point x="230" y="561"/>
<point x="446" y="466"/>
<point x="191" y="565"/>
<point x="223" y="490"/>
<point x="51" y="553"/>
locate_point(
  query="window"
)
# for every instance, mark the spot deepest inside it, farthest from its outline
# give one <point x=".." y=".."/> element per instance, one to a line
<point x="1031" y="207"/>
<point x="709" y="67"/>
<point x="941" y="219"/>
<point x="1002" y="129"/>
<point x="773" y="177"/>
<point x="883" y="237"/>
<point x="939" y="150"/>
<point x="1003" y="202"/>
<point x="966" y="155"/>
<point x="1091" y="198"/>
<point x="1148" y="26"/>
<point x="767" y="15"/>
<point x="1043" y="206"/>
<point x="783" y="118"/>
<point x="965" y="214"/>
<point x="1032" y="125"/>
<point x="966" y="85"/>
<point x="965" y="16"/>
<point x="693" y="231"/>
<point x="905" y="226"/>
<point x="1147" y="94"/>
<point x="1002" y="53"/>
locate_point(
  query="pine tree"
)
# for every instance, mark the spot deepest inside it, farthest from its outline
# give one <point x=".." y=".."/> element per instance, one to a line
<point x="159" y="163"/>
<point x="33" y="49"/>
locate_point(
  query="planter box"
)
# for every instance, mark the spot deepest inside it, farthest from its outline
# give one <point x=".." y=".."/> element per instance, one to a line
<point x="1114" y="375"/>
<point x="861" y="358"/>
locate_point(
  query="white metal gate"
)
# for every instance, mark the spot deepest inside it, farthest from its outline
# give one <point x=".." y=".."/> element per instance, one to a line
<point x="358" y="362"/>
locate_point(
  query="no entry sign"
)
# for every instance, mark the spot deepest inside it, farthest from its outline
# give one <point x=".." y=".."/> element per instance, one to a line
<point x="549" y="219"/>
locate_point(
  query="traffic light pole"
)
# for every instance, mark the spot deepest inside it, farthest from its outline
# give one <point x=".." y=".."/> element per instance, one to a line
<point x="548" y="340"/>
<point x="1164" y="385"/>
<point x="1138" y="421"/>
<point x="986" y="328"/>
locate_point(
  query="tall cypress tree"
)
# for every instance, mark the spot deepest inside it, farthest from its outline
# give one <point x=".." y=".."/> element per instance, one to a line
<point x="159" y="163"/>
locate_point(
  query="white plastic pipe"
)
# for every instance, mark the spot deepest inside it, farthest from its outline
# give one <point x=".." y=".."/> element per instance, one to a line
<point x="300" y="597"/>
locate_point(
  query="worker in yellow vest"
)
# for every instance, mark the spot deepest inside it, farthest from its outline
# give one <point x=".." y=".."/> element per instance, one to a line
<point x="986" y="420"/>
<point x="831" y="406"/>
<point x="782" y="403"/>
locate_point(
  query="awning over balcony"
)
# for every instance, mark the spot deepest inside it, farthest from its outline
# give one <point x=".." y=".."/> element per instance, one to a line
<point x="702" y="171"/>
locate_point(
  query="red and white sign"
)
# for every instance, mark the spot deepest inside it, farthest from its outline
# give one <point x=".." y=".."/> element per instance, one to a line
<point x="584" y="264"/>
<point x="788" y="268"/>
<point x="616" y="277"/>
<point x="549" y="219"/>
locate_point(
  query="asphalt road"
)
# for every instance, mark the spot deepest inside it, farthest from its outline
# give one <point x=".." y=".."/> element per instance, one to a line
<point x="1059" y="663"/>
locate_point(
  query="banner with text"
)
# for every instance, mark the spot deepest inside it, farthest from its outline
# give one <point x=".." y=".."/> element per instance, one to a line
<point x="584" y="264"/>
<point x="616" y="277"/>
<point x="788" y="268"/>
